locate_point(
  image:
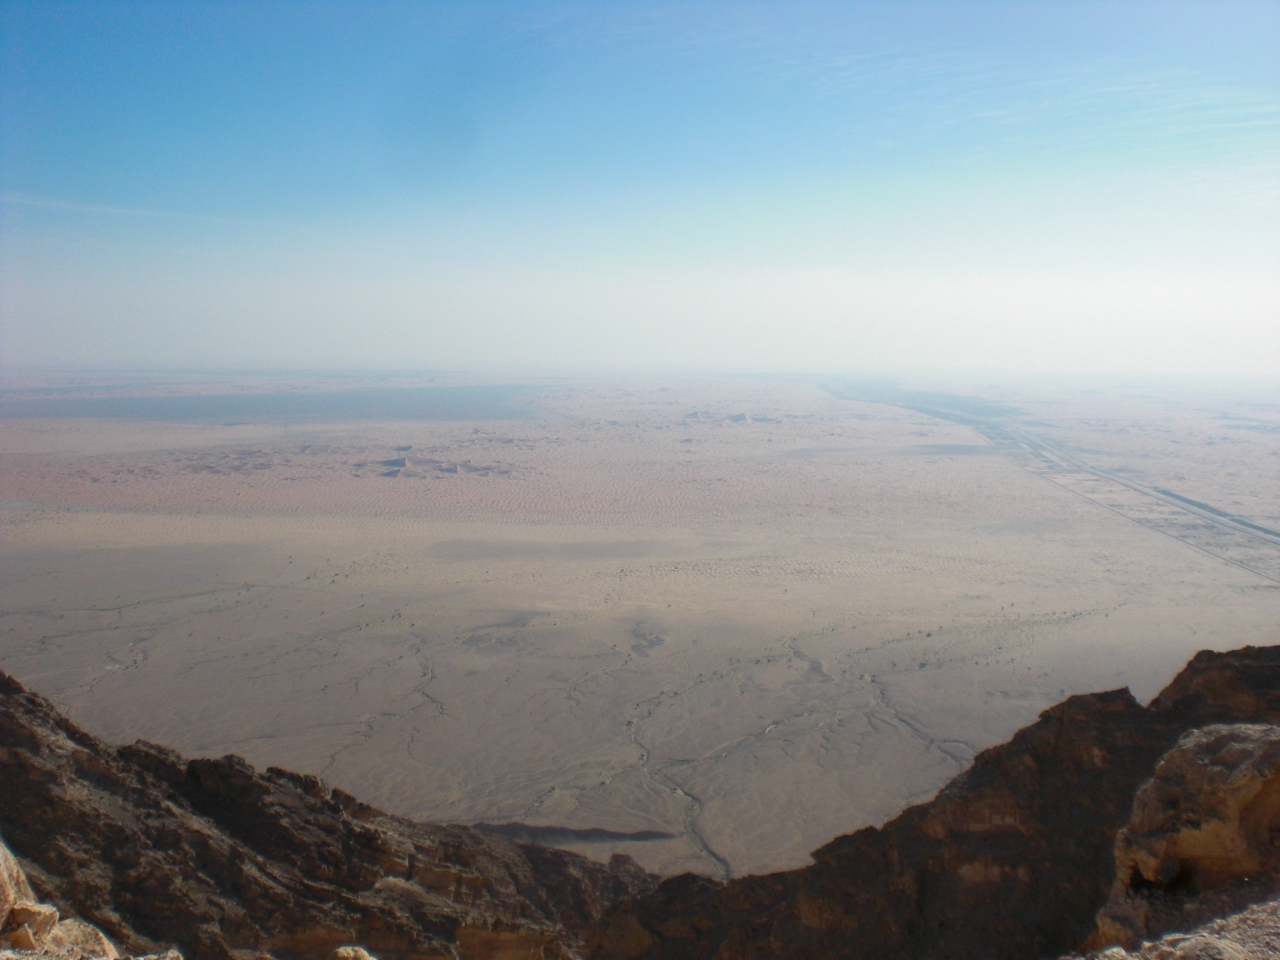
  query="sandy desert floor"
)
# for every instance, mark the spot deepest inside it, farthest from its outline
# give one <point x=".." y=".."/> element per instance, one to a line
<point x="708" y="623"/>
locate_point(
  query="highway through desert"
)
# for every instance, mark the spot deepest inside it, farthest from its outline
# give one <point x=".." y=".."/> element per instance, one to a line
<point x="710" y="622"/>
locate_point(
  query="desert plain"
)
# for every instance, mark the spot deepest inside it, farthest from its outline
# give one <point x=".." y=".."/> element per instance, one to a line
<point x="709" y="622"/>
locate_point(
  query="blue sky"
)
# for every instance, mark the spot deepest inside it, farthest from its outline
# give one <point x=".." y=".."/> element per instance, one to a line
<point x="993" y="187"/>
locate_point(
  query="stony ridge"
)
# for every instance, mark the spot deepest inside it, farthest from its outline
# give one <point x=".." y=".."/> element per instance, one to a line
<point x="226" y="862"/>
<point x="1013" y="859"/>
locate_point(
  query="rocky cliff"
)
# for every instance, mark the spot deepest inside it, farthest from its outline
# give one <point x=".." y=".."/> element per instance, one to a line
<point x="226" y="862"/>
<point x="1203" y="839"/>
<point x="1013" y="859"/>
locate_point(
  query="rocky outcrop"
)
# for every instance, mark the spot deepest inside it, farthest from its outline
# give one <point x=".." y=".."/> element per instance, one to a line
<point x="1203" y="837"/>
<point x="35" y="929"/>
<point x="227" y="862"/>
<point x="1013" y="859"/>
<point x="1251" y="934"/>
<point x="14" y="888"/>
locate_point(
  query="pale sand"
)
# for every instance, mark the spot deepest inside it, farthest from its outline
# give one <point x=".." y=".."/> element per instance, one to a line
<point x="750" y="635"/>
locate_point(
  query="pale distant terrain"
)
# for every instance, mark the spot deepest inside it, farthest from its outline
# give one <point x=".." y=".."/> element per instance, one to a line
<point x="711" y="623"/>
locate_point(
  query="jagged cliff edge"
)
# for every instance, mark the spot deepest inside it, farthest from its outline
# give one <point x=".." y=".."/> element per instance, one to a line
<point x="1014" y="858"/>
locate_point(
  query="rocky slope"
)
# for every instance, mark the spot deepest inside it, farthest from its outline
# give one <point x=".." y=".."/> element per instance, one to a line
<point x="1251" y="934"/>
<point x="1015" y="858"/>
<point x="1012" y="859"/>
<point x="226" y="862"/>
<point x="1203" y="840"/>
<point x="28" y="926"/>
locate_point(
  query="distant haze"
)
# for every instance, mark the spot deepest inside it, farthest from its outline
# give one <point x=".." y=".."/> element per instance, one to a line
<point x="1048" y="187"/>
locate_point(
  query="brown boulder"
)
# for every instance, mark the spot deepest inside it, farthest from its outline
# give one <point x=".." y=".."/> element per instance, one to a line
<point x="1211" y="813"/>
<point x="14" y="888"/>
<point x="1205" y="830"/>
<point x="39" y="918"/>
<point x="20" y="937"/>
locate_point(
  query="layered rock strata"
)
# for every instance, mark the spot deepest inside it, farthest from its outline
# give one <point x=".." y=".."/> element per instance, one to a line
<point x="1013" y="859"/>
<point x="225" y="862"/>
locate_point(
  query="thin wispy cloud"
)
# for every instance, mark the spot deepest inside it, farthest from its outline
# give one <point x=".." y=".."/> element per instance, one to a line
<point x="421" y="163"/>
<point x="112" y="210"/>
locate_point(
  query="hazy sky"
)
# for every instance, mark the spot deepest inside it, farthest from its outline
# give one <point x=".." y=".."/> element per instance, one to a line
<point x="1036" y="186"/>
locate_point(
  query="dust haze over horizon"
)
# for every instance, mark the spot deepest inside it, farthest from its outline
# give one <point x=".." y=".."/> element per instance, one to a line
<point x="692" y="431"/>
<point x="1055" y="188"/>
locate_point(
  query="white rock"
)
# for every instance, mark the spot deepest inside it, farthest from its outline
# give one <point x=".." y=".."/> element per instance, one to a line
<point x="351" y="953"/>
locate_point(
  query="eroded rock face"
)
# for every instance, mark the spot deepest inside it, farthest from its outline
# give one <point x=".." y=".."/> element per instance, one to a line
<point x="34" y="930"/>
<point x="14" y="888"/>
<point x="1011" y="860"/>
<point x="1210" y="815"/>
<point x="1204" y="832"/>
<point x="227" y="862"/>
